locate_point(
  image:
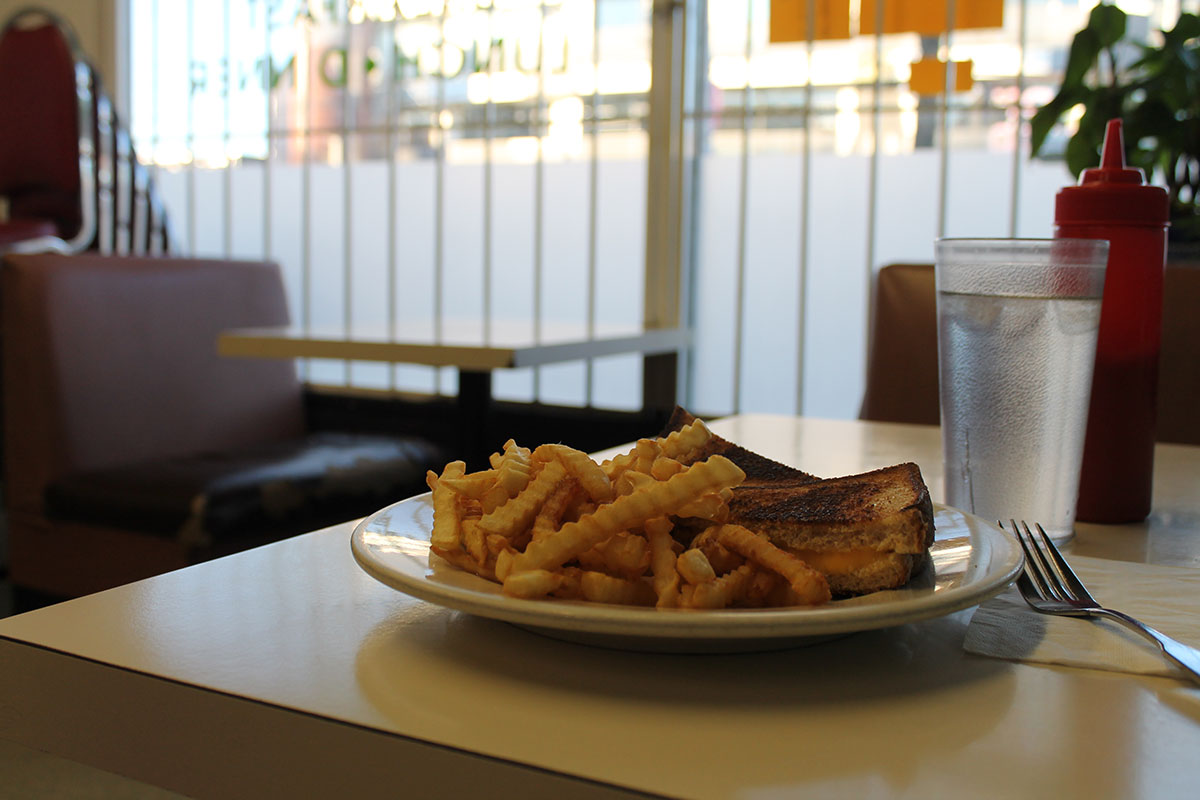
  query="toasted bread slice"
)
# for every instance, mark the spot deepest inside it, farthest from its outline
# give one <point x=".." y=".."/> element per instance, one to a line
<point x="865" y="532"/>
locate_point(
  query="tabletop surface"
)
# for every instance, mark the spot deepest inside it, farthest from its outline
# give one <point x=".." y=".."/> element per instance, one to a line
<point x="298" y="626"/>
<point x="467" y="344"/>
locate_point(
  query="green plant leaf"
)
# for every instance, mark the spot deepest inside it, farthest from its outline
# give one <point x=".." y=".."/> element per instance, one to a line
<point x="1188" y="27"/>
<point x="1048" y="115"/>
<point x="1082" y="152"/>
<point x="1108" y="24"/>
<point x="1085" y="49"/>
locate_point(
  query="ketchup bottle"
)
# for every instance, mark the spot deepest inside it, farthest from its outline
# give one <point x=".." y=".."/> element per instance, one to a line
<point x="1113" y="202"/>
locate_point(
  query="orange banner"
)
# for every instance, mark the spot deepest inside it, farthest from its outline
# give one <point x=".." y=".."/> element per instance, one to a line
<point x="929" y="76"/>
<point x="789" y="20"/>
<point x="928" y="17"/>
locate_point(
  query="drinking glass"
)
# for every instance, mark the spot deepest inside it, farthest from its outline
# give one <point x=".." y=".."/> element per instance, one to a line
<point x="1017" y="323"/>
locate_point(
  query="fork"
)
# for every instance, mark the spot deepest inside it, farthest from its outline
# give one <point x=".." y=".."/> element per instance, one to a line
<point x="1050" y="586"/>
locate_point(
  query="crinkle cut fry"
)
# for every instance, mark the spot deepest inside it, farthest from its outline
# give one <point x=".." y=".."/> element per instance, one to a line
<point x="629" y="511"/>
<point x="517" y="514"/>
<point x="550" y="516"/>
<point x="662" y="561"/>
<point x="581" y="467"/>
<point x="463" y="560"/>
<point x="720" y="592"/>
<point x="675" y="444"/>
<point x="809" y="585"/>
<point x="446" y="532"/>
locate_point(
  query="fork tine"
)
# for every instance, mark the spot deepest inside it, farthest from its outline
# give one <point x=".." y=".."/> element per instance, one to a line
<point x="1063" y="568"/>
<point x="1032" y="572"/>
<point x="1028" y="588"/>
<point x="1036" y="564"/>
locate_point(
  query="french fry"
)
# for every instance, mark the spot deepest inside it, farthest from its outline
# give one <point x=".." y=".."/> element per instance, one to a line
<point x="464" y="561"/>
<point x="693" y="566"/>
<point x="662" y="562"/>
<point x="533" y="583"/>
<point x="664" y="467"/>
<point x="580" y="467"/>
<point x="722" y="558"/>
<point x="571" y="587"/>
<point x="720" y="592"/>
<point x="686" y="441"/>
<point x="550" y="515"/>
<point x="601" y="588"/>
<point x="624" y="555"/>
<point x="810" y="586"/>
<point x="513" y="471"/>
<point x="474" y="485"/>
<point x="446" y="532"/>
<point x="677" y="444"/>
<point x="646" y="451"/>
<point x="709" y="506"/>
<point x="474" y="540"/>
<point x="493" y="498"/>
<point x="517" y="514"/>
<point x="630" y="511"/>
<point x="757" y="591"/>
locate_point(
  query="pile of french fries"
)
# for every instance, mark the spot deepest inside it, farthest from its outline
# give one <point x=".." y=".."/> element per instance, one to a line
<point x="551" y="522"/>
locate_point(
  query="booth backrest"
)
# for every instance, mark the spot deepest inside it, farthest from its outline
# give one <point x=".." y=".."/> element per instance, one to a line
<point x="902" y="357"/>
<point x="902" y="370"/>
<point x="112" y="360"/>
<point x="1179" y="363"/>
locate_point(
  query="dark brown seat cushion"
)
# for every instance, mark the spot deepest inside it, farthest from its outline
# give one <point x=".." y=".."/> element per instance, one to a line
<point x="218" y="499"/>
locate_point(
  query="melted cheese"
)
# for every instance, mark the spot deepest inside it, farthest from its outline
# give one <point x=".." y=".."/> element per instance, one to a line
<point x="839" y="562"/>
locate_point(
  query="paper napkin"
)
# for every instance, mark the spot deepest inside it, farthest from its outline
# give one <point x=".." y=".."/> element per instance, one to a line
<point x="1166" y="598"/>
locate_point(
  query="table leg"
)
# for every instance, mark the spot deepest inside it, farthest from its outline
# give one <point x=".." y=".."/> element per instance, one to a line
<point x="474" y="403"/>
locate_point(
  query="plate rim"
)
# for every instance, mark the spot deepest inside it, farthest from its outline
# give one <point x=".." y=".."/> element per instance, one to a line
<point x="1004" y="563"/>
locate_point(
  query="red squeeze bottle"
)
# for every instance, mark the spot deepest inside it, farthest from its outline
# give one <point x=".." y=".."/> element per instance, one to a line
<point x="1113" y="202"/>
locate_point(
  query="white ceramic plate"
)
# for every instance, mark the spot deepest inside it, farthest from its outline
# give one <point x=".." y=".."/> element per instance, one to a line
<point x="972" y="561"/>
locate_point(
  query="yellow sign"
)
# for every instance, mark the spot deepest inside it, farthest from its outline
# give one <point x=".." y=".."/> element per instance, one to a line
<point x="929" y="76"/>
<point x="928" y="17"/>
<point x="789" y="20"/>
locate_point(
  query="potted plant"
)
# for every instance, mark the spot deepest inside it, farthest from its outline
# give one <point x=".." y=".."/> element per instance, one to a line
<point x="1155" y="90"/>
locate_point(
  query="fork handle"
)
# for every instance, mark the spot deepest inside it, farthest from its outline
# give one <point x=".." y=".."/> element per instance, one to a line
<point x="1186" y="657"/>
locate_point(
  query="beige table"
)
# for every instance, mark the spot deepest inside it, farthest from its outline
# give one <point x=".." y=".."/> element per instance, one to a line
<point x="474" y="349"/>
<point x="286" y="671"/>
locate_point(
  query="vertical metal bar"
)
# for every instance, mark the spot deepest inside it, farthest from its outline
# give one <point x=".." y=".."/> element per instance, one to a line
<point x="439" y="189"/>
<point x="306" y="196"/>
<point x="944" y="148"/>
<point x="739" y="311"/>
<point x="593" y="199"/>
<point x="696" y="34"/>
<point x="805" y="200"/>
<point x="539" y="189"/>
<point x="190" y="136"/>
<point x="266" y="188"/>
<point x="489" y="110"/>
<point x="226" y="138"/>
<point x="663" y="264"/>
<point x="873" y="177"/>
<point x="1022" y="42"/>
<point x="392" y="242"/>
<point x="347" y="198"/>
<point x="155" y="131"/>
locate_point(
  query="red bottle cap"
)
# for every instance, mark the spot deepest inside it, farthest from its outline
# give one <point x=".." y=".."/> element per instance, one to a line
<point x="1112" y="193"/>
